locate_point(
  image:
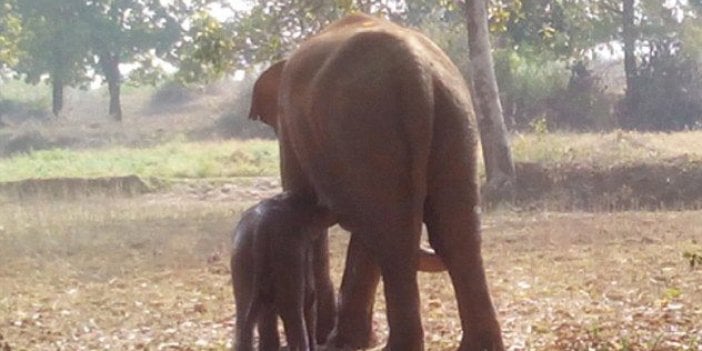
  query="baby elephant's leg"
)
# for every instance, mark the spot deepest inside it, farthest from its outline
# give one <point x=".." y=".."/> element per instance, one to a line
<point x="290" y="303"/>
<point x="268" y="330"/>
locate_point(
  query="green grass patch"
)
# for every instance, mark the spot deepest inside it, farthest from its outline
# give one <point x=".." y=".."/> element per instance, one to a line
<point x="18" y="90"/>
<point x="168" y="161"/>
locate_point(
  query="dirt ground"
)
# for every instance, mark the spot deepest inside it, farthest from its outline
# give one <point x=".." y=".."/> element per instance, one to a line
<point x="150" y="272"/>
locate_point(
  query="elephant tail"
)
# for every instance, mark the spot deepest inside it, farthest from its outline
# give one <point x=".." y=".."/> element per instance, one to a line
<point x="429" y="261"/>
<point x="417" y="101"/>
<point x="252" y="311"/>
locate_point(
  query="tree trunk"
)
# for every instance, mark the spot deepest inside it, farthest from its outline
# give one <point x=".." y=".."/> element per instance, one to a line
<point x="110" y="68"/>
<point x="629" y="39"/>
<point x="56" y="95"/>
<point x="497" y="156"/>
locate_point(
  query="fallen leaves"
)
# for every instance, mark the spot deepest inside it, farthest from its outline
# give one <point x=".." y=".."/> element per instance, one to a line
<point x="559" y="282"/>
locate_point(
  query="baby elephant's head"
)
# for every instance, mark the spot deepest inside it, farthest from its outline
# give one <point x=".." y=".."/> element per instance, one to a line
<point x="307" y="215"/>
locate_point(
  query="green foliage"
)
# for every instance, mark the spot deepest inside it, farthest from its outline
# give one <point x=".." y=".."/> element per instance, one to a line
<point x="666" y="93"/>
<point x="672" y="293"/>
<point x="273" y="27"/>
<point x="136" y="31"/>
<point x="529" y="83"/>
<point x="444" y="24"/>
<point x="71" y="41"/>
<point x="10" y="29"/>
<point x="53" y="41"/>
<point x="21" y="92"/>
<point x="563" y="28"/>
<point x="539" y="127"/>
<point x="209" y="52"/>
<point x="584" y="104"/>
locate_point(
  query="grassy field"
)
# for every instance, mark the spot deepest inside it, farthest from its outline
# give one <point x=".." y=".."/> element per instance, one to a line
<point x="151" y="273"/>
<point x="217" y="159"/>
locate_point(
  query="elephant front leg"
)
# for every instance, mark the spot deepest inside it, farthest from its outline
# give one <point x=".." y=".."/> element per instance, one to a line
<point x="354" y="328"/>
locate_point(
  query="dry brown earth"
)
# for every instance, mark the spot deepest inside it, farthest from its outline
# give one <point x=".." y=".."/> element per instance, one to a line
<point x="149" y="272"/>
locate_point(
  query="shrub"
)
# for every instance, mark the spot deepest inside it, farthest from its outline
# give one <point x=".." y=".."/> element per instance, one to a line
<point x="171" y="95"/>
<point x="528" y="85"/>
<point x="26" y="143"/>
<point x="667" y="94"/>
<point x="584" y="104"/>
<point x="235" y="122"/>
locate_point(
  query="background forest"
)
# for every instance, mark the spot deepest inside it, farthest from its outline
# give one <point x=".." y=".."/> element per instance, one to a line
<point x="560" y="64"/>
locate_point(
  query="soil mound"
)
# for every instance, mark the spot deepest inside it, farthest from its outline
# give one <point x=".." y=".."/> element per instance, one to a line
<point x="674" y="184"/>
<point x="60" y="188"/>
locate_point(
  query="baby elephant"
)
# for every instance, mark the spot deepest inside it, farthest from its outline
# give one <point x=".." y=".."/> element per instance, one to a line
<point x="272" y="272"/>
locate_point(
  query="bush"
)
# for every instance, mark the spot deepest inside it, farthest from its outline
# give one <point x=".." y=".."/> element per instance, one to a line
<point x="16" y="112"/>
<point x="667" y="94"/>
<point x="171" y="95"/>
<point x="26" y="143"/>
<point x="528" y="85"/>
<point x="235" y="122"/>
<point x="584" y="105"/>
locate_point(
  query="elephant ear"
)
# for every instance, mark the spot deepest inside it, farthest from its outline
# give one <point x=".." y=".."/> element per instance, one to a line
<point x="264" y="100"/>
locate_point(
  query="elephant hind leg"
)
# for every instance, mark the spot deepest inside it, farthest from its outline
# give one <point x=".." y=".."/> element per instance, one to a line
<point x="395" y="247"/>
<point x="454" y="231"/>
<point x="243" y="339"/>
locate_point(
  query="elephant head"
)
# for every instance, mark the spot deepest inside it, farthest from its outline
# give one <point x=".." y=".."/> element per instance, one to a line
<point x="264" y="99"/>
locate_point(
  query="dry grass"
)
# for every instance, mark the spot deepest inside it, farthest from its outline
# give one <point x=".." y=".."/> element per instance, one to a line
<point x="150" y="273"/>
<point x="607" y="149"/>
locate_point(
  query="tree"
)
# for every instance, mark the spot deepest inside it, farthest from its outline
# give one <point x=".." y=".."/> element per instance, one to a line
<point x="71" y="40"/>
<point x="208" y="52"/>
<point x="54" y="41"/>
<point x="10" y="29"/>
<point x="662" y="47"/>
<point x="263" y="33"/>
<point x="497" y="156"/>
<point x="629" y="39"/>
<point x="134" y="31"/>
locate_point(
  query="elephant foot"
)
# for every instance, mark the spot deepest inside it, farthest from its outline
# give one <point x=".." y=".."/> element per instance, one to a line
<point x="334" y="348"/>
<point x="488" y="341"/>
<point x="361" y="338"/>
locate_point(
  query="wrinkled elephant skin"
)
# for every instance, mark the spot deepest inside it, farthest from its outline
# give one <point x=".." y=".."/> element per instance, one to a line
<point x="377" y="124"/>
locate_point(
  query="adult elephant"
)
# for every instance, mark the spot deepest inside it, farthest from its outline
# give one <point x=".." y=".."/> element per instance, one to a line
<point x="376" y="123"/>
